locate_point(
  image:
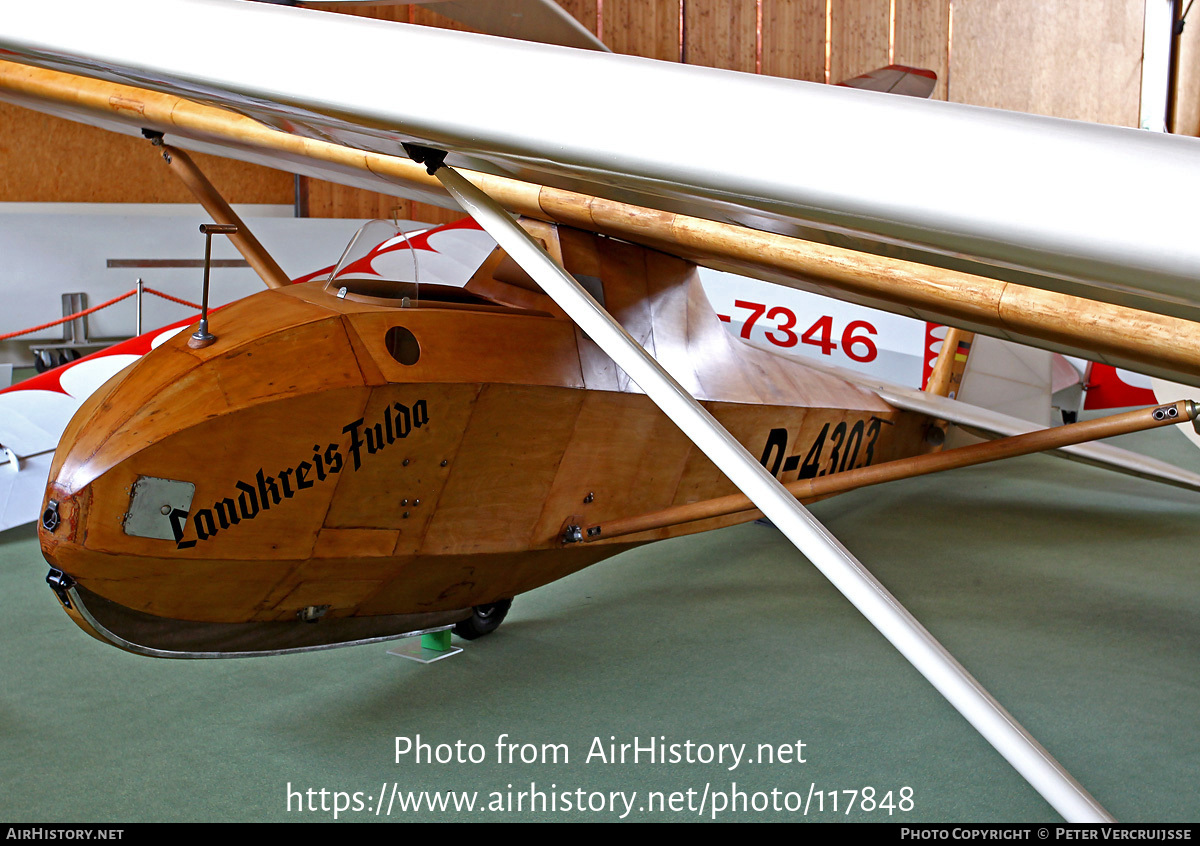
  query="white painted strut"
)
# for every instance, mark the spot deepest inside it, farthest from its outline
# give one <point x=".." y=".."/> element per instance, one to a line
<point x="848" y="575"/>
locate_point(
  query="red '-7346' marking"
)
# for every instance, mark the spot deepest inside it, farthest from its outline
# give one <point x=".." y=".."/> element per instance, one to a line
<point x="857" y="340"/>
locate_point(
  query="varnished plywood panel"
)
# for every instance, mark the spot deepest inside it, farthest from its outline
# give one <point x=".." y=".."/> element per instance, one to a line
<point x="354" y="543"/>
<point x="45" y="159"/>
<point x="398" y="475"/>
<point x="256" y="477"/>
<point x="497" y="488"/>
<point x="473" y="347"/>
<point x="922" y="38"/>
<point x="170" y="388"/>
<point x="602" y="477"/>
<point x="721" y="34"/>
<point x="460" y="581"/>
<point x="647" y="28"/>
<point x="1077" y="59"/>
<point x="315" y="587"/>
<point x="155" y="585"/>
<point x="793" y="39"/>
<point x="859" y="35"/>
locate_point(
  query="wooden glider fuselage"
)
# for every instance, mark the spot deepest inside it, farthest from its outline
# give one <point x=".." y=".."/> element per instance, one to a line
<point x="346" y="473"/>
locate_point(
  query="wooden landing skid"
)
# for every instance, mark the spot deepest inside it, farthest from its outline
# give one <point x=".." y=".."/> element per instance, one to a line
<point x="386" y="469"/>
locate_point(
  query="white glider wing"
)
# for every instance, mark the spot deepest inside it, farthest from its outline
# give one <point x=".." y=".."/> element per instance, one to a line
<point x="1091" y="212"/>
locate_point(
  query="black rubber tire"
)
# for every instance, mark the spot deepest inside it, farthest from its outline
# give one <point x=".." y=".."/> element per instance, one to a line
<point x="485" y="620"/>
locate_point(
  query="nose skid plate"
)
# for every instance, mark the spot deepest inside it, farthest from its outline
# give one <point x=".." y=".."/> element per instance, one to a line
<point x="160" y="637"/>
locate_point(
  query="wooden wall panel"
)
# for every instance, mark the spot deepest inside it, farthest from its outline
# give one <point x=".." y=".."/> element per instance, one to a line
<point x="394" y="206"/>
<point x="721" y="35"/>
<point x="1074" y="58"/>
<point x="46" y="159"/>
<point x="380" y="12"/>
<point x="328" y="199"/>
<point x="585" y="11"/>
<point x="425" y="16"/>
<point x="793" y="36"/>
<point x="922" y="38"/>
<point x="859" y="34"/>
<point x="648" y="28"/>
<point x="1187" y="94"/>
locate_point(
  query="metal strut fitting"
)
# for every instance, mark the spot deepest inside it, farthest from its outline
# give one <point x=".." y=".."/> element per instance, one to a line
<point x="428" y="156"/>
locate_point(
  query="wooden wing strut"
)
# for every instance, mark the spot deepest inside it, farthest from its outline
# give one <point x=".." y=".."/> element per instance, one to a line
<point x="848" y="575"/>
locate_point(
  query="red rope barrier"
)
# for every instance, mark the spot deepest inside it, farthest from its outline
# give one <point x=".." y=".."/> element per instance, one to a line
<point x="126" y="295"/>
<point x="87" y="311"/>
<point x="150" y="290"/>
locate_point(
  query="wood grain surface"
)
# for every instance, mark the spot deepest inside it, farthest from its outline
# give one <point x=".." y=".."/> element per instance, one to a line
<point x="448" y="482"/>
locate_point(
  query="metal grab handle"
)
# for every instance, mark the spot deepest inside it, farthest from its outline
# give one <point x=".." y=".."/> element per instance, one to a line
<point x="202" y="337"/>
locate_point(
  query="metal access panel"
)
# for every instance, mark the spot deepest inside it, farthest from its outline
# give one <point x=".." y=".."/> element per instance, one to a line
<point x="152" y="504"/>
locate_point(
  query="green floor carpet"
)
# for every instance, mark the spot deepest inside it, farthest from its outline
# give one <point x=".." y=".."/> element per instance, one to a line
<point x="1071" y="593"/>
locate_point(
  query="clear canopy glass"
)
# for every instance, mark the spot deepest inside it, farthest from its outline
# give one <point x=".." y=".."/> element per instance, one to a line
<point x="378" y="264"/>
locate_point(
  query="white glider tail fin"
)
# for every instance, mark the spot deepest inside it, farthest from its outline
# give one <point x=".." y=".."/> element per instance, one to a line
<point x="1008" y="378"/>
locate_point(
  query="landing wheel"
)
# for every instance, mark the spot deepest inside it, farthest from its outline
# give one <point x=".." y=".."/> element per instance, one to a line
<point x="485" y="620"/>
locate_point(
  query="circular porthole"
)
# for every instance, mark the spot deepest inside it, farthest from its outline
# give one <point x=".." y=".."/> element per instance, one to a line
<point x="402" y="345"/>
